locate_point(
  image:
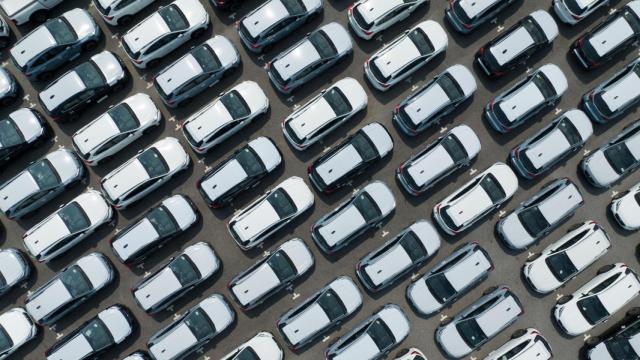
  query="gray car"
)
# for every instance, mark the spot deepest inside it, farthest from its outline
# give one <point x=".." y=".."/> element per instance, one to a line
<point x="15" y="268"/>
<point x="201" y="68"/>
<point x="275" y="19"/>
<point x="55" y="43"/>
<point x="8" y="88"/>
<point x="540" y="214"/>
<point x="472" y="327"/>
<point x="364" y="211"/>
<point x="401" y="255"/>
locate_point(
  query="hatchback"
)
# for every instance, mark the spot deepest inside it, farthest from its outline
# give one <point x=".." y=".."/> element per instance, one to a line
<point x="22" y="11"/>
<point x="120" y="12"/>
<point x="262" y="346"/>
<point x="524" y="344"/>
<point x="19" y="131"/>
<point x="369" y="17"/>
<point x="617" y="343"/>
<point x="16" y="329"/>
<point x="15" y="268"/>
<point x="625" y="208"/>
<point x="9" y="88"/>
<point x="573" y="11"/>
<point x="467" y="15"/>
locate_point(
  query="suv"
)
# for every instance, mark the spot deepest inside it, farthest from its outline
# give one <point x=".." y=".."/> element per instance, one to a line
<point x="559" y="139"/>
<point x="625" y="208"/>
<point x="486" y="192"/>
<point x="514" y="46"/>
<point x="22" y="11"/>
<point x="614" y="97"/>
<point x="542" y="89"/>
<point x="120" y="12"/>
<point x="524" y="344"/>
<point x="538" y="216"/>
<point x="573" y="11"/>
<point x="369" y="17"/>
<point x="467" y="15"/>
<point x="336" y="167"/>
<point x="471" y="328"/>
<point x="19" y="131"/>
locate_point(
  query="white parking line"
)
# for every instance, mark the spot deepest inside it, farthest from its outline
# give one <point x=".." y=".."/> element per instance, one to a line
<point x="473" y="171"/>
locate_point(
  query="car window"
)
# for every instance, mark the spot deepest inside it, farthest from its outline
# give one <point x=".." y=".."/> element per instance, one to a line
<point x="421" y="41"/>
<point x="75" y="281"/>
<point x="390" y="15"/>
<point x="162" y="221"/>
<point x="74" y="217"/>
<point x="569" y="243"/>
<point x="592" y="309"/>
<point x="47" y="55"/>
<point x="108" y="144"/>
<point x="364" y="146"/>
<point x="206" y="58"/>
<point x="278" y="26"/>
<point x="9" y="134"/>
<point x="515" y="350"/>
<point x="471" y="333"/>
<point x="97" y="334"/>
<point x="465" y="189"/>
<point x="337" y="101"/>
<point x="282" y="203"/>
<point x="173" y="17"/>
<point x="235" y="105"/>
<point x="141" y="188"/>
<point x="488" y="303"/>
<point x="153" y="162"/>
<point x="367" y="207"/>
<point x="90" y="75"/>
<point x="5" y="341"/>
<point x="184" y="270"/>
<point x="492" y="188"/>
<point x="200" y="324"/>
<point x="621" y="348"/>
<point x="440" y="287"/>
<point x="246" y="353"/>
<point x="161" y="42"/>
<point x="603" y="285"/>
<point x="294" y="7"/>
<point x="331" y="305"/>
<point x="122" y="4"/>
<point x="282" y="266"/>
<point x="544" y="132"/>
<point x="323" y="44"/>
<point x="561" y="266"/>
<point x="44" y="174"/>
<point x="380" y="334"/>
<point x="123" y="117"/>
<point x="413" y="246"/>
<point x="61" y="30"/>
<point x="250" y="162"/>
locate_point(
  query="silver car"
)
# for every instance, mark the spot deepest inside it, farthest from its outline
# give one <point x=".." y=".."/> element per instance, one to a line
<point x="364" y="211"/>
<point x="69" y="288"/>
<point x="324" y="113"/>
<point x="404" y="253"/>
<point x="15" y="268"/>
<point x="40" y="182"/>
<point x="271" y="274"/>
<point x="262" y="346"/>
<point x="524" y="344"/>
<point x="16" y="329"/>
<point x="67" y="226"/>
<point x="232" y="111"/>
<point x="320" y="312"/>
<point x="176" y="277"/>
<point x="369" y="17"/>
<point x="19" y="131"/>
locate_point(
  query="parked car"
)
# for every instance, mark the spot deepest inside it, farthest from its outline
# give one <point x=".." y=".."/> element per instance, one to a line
<point x="561" y="138"/>
<point x="572" y="11"/>
<point x="309" y="57"/>
<point x="536" y="217"/>
<point x="16" y="329"/>
<point x="69" y="288"/>
<point x="539" y="90"/>
<point x="195" y="328"/>
<point x="15" y="268"/>
<point x="481" y="321"/>
<point x="176" y="277"/>
<point x="22" y="11"/>
<point x="365" y="210"/>
<point x="398" y="257"/>
<point x="273" y="20"/>
<point x="9" y="88"/>
<point x="20" y="131"/>
<point x="617" y="33"/>
<point x="5" y="33"/>
<point x="432" y="164"/>
<point x="40" y="182"/>
<point x="369" y="17"/>
<point x="526" y="344"/>
<point x="271" y="274"/>
<point x="145" y="172"/>
<point x="120" y="12"/>
<point x="67" y="226"/>
<point x="513" y="47"/>
<point x="172" y="217"/>
<point x="374" y="337"/>
<point x="320" y="313"/>
<point x="55" y="43"/>
<point x="625" y="208"/>
<point x="277" y="207"/>
<point x="464" y="269"/>
<point x="618" y="342"/>
<point x="484" y="193"/>
<point x="86" y="84"/>
<point x="164" y="31"/>
<point x="465" y="16"/>
<point x="596" y="301"/>
<point x="564" y="259"/>
<point x="405" y="54"/>
<point x="614" y="160"/>
<point x="229" y="113"/>
<point x="338" y="166"/>
<point x="261" y="346"/>
<point x="613" y="98"/>
<point x="201" y="68"/>
<point x="324" y="113"/>
<point x="438" y="98"/>
<point x="115" y="129"/>
<point x="138" y="355"/>
<point x="96" y="336"/>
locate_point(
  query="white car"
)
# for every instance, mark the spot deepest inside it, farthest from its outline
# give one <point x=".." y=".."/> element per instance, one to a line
<point x="484" y="193"/>
<point x="14" y="269"/>
<point x="411" y="354"/>
<point x="564" y="259"/>
<point x="175" y="278"/>
<point x="22" y="11"/>
<point x="120" y="126"/>
<point x="596" y="301"/>
<point x="573" y="11"/>
<point x="66" y="227"/>
<point x="144" y="172"/>
<point x="16" y="329"/>
<point x="405" y="54"/>
<point x="369" y="17"/>
<point x="226" y="115"/>
<point x="164" y="31"/>
<point x="271" y="274"/>
<point x="19" y="131"/>
<point x="261" y="346"/>
<point x="525" y="344"/>
<point x="274" y="209"/>
<point x="625" y="208"/>
<point x="324" y="113"/>
<point x="120" y="12"/>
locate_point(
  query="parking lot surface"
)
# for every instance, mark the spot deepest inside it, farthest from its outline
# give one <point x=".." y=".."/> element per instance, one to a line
<point x="212" y="228"/>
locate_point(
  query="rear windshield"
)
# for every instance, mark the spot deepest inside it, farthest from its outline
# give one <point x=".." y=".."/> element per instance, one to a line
<point x="43" y="174"/>
<point x="250" y="162"/>
<point x="380" y="334"/>
<point x="440" y="287"/>
<point x="206" y="58"/>
<point x="282" y="203"/>
<point x="9" y="134"/>
<point x="360" y="20"/>
<point x="331" y="304"/>
<point x="184" y="270"/>
<point x="620" y="348"/>
<point x="97" y="334"/>
<point x="173" y="17"/>
<point x="235" y="105"/>
<point x="574" y="6"/>
<point x="123" y="117"/>
<point x="323" y="44"/>
<point x="282" y="266"/>
<point x="199" y="323"/>
<point x="246" y="353"/>
<point x="5" y="341"/>
<point x="75" y="281"/>
<point x="367" y="207"/>
<point x="74" y="217"/>
<point x="153" y="163"/>
<point x="561" y="266"/>
<point x="421" y="41"/>
<point x="337" y="101"/>
<point x="533" y="221"/>
<point x="61" y="31"/>
<point x="162" y="221"/>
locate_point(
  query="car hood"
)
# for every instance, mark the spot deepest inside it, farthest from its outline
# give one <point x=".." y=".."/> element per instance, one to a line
<point x="12" y="266"/>
<point x="540" y="277"/>
<point x="422" y="298"/>
<point x="628" y="210"/>
<point x="116" y="322"/>
<point x="571" y="319"/>
<point x="514" y="232"/>
<point x="451" y="341"/>
<point x="600" y="170"/>
<point x="20" y="328"/>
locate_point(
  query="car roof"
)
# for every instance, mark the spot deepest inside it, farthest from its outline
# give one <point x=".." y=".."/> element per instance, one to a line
<point x="463" y="272"/>
<point x="32" y="44"/>
<point x="338" y="226"/>
<point x="512" y="45"/>
<point x="526" y="97"/>
<point x="264" y="17"/>
<point x="372" y="10"/>
<point x="62" y="89"/>
<point x="426" y="102"/>
<point x="499" y="314"/>
<point x="622" y="92"/>
<point x="473" y="8"/>
<point x="560" y="203"/>
<point x="339" y="164"/>
<point x="610" y="36"/>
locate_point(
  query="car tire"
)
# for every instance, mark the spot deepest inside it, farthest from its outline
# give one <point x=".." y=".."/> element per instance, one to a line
<point x="39" y="16"/>
<point x="565" y="299"/>
<point x="518" y="333"/>
<point x="489" y="290"/>
<point x="605" y="268"/>
<point x="7" y="101"/>
<point x="196" y="34"/>
<point x="125" y="20"/>
<point x="117" y="87"/>
<point x="89" y="45"/>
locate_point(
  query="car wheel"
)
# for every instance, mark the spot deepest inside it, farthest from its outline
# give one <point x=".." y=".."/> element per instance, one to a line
<point x="39" y="16"/>
<point x="518" y="333"/>
<point x="565" y="299"/>
<point x="267" y="48"/>
<point x="196" y="34"/>
<point x="117" y="87"/>
<point x="605" y="268"/>
<point x="89" y="45"/>
<point x="634" y="312"/>
<point x="125" y="20"/>
<point x="489" y="290"/>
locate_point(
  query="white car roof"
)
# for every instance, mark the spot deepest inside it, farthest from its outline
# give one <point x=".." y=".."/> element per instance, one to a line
<point x="464" y="272"/>
<point x="556" y="206"/>
<point x="264" y="17"/>
<point x="589" y="248"/>
<point x="473" y="8"/>
<point x="622" y="92"/>
<point x="612" y="35"/>
<point x="372" y="10"/>
<point x="500" y="314"/>
<point x="512" y="45"/>
<point x="32" y="44"/>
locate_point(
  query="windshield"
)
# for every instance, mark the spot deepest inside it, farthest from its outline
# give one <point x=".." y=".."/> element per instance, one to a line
<point x="620" y="348"/>
<point x="74" y="217"/>
<point x="413" y="246"/>
<point x="471" y="333"/>
<point x="235" y="105"/>
<point x="199" y="323"/>
<point x="364" y="147"/>
<point x="570" y="132"/>
<point x="544" y="85"/>
<point x="380" y="334"/>
<point x="184" y="270"/>
<point x="282" y="203"/>
<point x="533" y="221"/>
<point x="492" y="188"/>
<point x="206" y="58"/>
<point x="153" y="163"/>
<point x="9" y="134"/>
<point x="123" y="117"/>
<point x="367" y="207"/>
<point x="619" y="157"/>
<point x="162" y="220"/>
<point x="75" y="281"/>
<point x="440" y="287"/>
<point x="97" y="334"/>
<point x="561" y="266"/>
<point x="592" y="309"/>
<point x="337" y="101"/>
<point x="43" y="174"/>
<point x="173" y="17"/>
<point x="250" y="162"/>
<point x="281" y="266"/>
<point x="454" y="148"/>
<point x="450" y="86"/>
<point x="90" y="75"/>
<point x="421" y="41"/>
<point x="61" y="31"/>
<point x="332" y="305"/>
<point x="323" y="44"/>
<point x="294" y="7"/>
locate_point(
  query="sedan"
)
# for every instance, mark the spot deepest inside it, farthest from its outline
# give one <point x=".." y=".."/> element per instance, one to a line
<point x="232" y="111"/>
<point x="262" y="346"/>
<point x="365" y="210"/>
<point x="15" y="268"/>
<point x="277" y="207"/>
<point x="145" y="172"/>
<point x="324" y="113"/>
<point x="67" y="226"/>
<point x="405" y="54"/>
<point x="573" y="11"/>
<point x="16" y="329"/>
<point x="19" y="131"/>
<point x="69" y="288"/>
<point x="524" y="344"/>
<point x="176" y="277"/>
<point x="625" y="208"/>
<point x="321" y="312"/>
<point x="271" y="274"/>
<point x="9" y="88"/>
<point x="338" y="166"/>
<point x="369" y="17"/>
